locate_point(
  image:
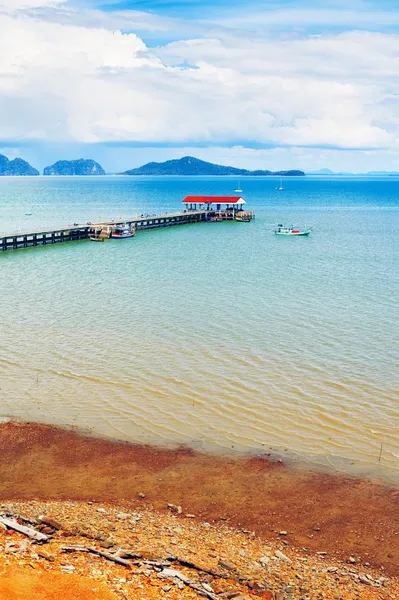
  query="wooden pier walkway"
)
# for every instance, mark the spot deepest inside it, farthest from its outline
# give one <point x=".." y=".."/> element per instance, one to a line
<point x="42" y="237"/>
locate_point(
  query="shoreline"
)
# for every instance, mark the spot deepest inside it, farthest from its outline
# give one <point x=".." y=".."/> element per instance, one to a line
<point x="330" y="464"/>
<point x="322" y="512"/>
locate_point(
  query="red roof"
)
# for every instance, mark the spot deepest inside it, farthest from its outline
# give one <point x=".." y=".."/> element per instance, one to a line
<point x="213" y="200"/>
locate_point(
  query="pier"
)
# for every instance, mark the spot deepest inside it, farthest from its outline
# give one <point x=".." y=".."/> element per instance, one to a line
<point x="75" y="232"/>
<point x="71" y="233"/>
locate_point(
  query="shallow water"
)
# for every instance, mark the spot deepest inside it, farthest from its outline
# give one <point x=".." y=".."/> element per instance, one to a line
<point x="219" y="335"/>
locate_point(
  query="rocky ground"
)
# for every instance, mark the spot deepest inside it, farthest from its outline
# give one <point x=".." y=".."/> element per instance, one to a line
<point x="105" y="551"/>
<point x="321" y="511"/>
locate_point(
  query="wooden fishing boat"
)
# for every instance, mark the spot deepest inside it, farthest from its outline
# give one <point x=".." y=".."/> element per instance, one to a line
<point x="282" y="230"/>
<point x="121" y="232"/>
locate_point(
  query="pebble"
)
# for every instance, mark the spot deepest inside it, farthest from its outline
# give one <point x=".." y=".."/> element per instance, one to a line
<point x="227" y="564"/>
<point x="178" y="530"/>
<point x="51" y="522"/>
<point x="282" y="556"/>
<point x="352" y="560"/>
<point x="283" y="533"/>
<point x="176" y="509"/>
<point x="123" y="516"/>
<point x="68" y="568"/>
<point x="101" y="510"/>
<point x="173" y="573"/>
<point x="45" y="555"/>
<point x="47" y="530"/>
<point x="141" y="495"/>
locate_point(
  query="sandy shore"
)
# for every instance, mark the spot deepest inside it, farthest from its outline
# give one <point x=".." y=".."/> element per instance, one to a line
<point x="337" y="530"/>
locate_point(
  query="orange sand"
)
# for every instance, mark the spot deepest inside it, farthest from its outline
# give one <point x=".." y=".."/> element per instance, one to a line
<point x="20" y="584"/>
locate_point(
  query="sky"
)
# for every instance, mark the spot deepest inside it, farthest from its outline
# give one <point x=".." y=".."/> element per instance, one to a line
<point x="289" y="84"/>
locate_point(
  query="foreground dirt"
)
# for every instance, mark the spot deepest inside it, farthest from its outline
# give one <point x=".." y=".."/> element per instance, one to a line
<point x="171" y="555"/>
<point x="324" y="513"/>
<point x="22" y="584"/>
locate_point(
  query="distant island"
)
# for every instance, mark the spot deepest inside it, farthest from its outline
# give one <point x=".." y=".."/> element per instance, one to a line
<point x="328" y="172"/>
<point x="17" y="166"/>
<point x="188" y="165"/>
<point x="81" y="166"/>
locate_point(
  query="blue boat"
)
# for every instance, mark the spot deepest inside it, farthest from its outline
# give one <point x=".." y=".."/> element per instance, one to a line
<point x="121" y="232"/>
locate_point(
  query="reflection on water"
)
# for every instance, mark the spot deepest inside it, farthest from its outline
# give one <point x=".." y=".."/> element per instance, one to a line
<point x="219" y="335"/>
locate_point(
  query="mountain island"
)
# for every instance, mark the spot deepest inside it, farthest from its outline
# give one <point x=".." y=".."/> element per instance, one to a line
<point x="81" y="166"/>
<point x="193" y="166"/>
<point x="17" y="166"/>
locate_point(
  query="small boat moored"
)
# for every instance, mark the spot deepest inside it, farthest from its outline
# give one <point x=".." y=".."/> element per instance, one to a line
<point x="120" y="232"/>
<point x="98" y="235"/>
<point x="283" y="230"/>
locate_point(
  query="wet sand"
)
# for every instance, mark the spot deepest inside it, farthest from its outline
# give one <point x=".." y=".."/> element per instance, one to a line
<point x="323" y="512"/>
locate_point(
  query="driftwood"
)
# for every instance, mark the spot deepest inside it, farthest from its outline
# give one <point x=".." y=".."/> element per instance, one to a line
<point x="28" y="531"/>
<point x="164" y="564"/>
<point x="190" y="565"/>
<point x="109" y="556"/>
<point x="202" y="591"/>
<point x="114" y="557"/>
<point x="122" y="553"/>
<point x="194" y="586"/>
<point x="74" y="549"/>
<point x="15" y="517"/>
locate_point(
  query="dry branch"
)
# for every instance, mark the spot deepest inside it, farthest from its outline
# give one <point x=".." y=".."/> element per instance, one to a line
<point x="28" y="531"/>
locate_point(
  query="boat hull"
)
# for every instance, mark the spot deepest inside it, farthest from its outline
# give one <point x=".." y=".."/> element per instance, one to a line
<point x="301" y="233"/>
<point x="115" y="236"/>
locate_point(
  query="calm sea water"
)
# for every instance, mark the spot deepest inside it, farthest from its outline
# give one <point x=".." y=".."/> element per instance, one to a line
<point x="220" y="335"/>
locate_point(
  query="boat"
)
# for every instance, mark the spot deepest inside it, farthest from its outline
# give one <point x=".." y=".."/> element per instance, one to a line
<point x="238" y="190"/>
<point x="243" y="216"/>
<point x="120" y="232"/>
<point x="279" y="189"/>
<point x="97" y="234"/>
<point x="283" y="230"/>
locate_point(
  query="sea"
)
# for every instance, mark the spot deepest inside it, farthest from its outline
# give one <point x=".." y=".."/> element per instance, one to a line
<point x="220" y="336"/>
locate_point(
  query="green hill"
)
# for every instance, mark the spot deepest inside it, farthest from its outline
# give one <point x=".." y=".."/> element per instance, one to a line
<point x="193" y="166"/>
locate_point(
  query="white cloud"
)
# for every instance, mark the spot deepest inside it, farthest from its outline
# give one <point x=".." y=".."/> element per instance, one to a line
<point x="62" y="82"/>
<point x="17" y="5"/>
<point x="302" y="16"/>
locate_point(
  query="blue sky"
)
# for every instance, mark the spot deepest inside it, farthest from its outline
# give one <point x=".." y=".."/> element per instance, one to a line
<point x="289" y="84"/>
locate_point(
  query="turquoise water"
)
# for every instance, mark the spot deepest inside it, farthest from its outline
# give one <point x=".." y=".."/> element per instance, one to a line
<point x="219" y="335"/>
